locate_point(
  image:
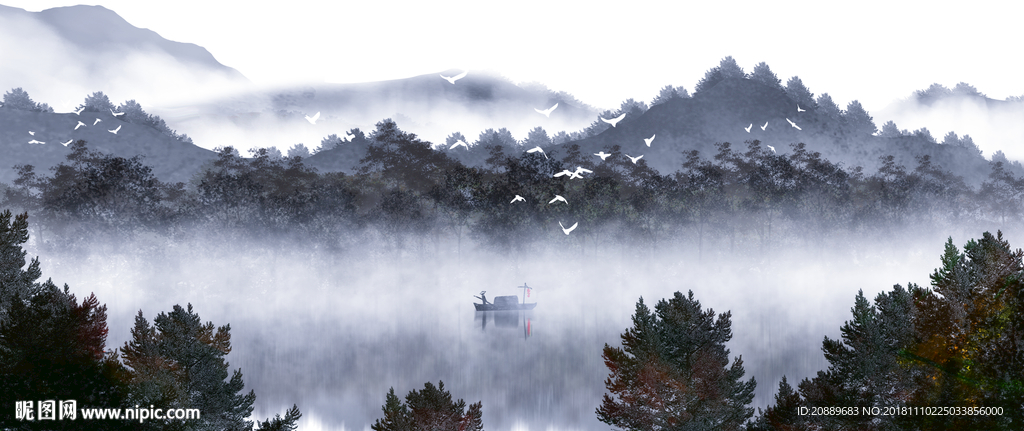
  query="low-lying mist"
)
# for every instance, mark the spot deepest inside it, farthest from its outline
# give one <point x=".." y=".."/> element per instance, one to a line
<point x="333" y="332"/>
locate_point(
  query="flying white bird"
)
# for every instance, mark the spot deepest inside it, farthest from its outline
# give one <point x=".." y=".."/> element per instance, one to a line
<point x="116" y="114"/>
<point x="558" y="198"/>
<point x="581" y="170"/>
<point x="96" y="122"/>
<point x="80" y="124"/>
<point x="793" y="124"/>
<point x="748" y="127"/>
<point x="66" y="143"/>
<point x="115" y="130"/>
<point x="634" y="159"/>
<point x="613" y="121"/>
<point x="546" y="112"/>
<point x="452" y="79"/>
<point x="649" y="140"/>
<point x="603" y="155"/>
<point x="31" y="133"/>
<point x="771" y="148"/>
<point x="315" y="117"/>
<point x="764" y="126"/>
<point x="35" y="142"/>
<point x="798" y="108"/>
<point x="569" y="229"/>
<point x="79" y="111"/>
<point x="571" y="174"/>
<point x="518" y="199"/>
<point x="536" y="149"/>
<point x="458" y="143"/>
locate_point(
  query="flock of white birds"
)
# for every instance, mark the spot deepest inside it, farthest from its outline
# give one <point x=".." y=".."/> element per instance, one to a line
<point x="547" y="113"/>
<point x="79" y="125"/>
<point x="571" y="174"/>
<point x="765" y="126"/>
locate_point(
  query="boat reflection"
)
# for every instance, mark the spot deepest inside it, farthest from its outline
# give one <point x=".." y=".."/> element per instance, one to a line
<point x="505" y="319"/>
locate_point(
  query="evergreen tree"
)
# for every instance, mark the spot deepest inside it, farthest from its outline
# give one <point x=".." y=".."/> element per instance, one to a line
<point x="51" y="345"/>
<point x="956" y="344"/>
<point x="178" y="362"/>
<point x="967" y="142"/>
<point x="453" y="138"/>
<point x="328" y="143"/>
<point x="730" y="69"/>
<point x="672" y="371"/>
<point x="797" y="91"/>
<point x="857" y="120"/>
<point x="431" y="409"/>
<point x="299" y="150"/>
<point x="933" y="93"/>
<point x="763" y="74"/>
<point x="925" y="134"/>
<point x="18" y="98"/>
<point x="951" y="139"/>
<point x="278" y="423"/>
<point x="16" y="284"/>
<point x="828" y="107"/>
<point x="133" y="113"/>
<point x="97" y="102"/>
<point x="784" y="414"/>
<point x="667" y="93"/>
<point x="965" y="89"/>
<point x="711" y="78"/>
<point x="537" y="137"/>
<point x="890" y="130"/>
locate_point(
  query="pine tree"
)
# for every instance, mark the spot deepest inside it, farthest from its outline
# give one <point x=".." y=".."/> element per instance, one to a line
<point x="797" y="91"/>
<point x="431" y="409"/>
<point x="19" y="99"/>
<point x="828" y="107"/>
<point x="763" y="74"/>
<point x="890" y="130"/>
<point x="97" y="102"/>
<point x="178" y="362"/>
<point x="51" y="345"/>
<point x="672" y="371"/>
<point x="857" y="120"/>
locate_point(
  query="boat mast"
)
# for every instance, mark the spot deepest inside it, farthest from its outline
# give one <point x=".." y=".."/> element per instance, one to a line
<point x="524" y="287"/>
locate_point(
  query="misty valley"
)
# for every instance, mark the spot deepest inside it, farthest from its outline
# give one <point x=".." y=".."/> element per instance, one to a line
<point x="719" y="260"/>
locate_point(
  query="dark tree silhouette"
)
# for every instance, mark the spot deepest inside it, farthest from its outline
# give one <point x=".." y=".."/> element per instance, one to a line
<point x="890" y="130"/>
<point x="51" y="345"/>
<point x="97" y="102"/>
<point x="763" y="74"/>
<point x="430" y="409"/>
<point x="956" y="344"/>
<point x="667" y="93"/>
<point x="18" y="98"/>
<point x="828" y="107"/>
<point x="857" y="121"/>
<point x="672" y="371"/>
<point x="797" y="91"/>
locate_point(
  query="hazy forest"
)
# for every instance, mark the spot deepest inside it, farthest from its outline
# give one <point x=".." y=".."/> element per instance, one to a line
<point x="406" y="212"/>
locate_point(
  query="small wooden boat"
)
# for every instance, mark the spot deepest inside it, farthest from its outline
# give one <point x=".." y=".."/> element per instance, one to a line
<point x="504" y="303"/>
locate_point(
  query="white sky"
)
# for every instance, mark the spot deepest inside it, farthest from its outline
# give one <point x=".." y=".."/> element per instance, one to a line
<point x="873" y="50"/>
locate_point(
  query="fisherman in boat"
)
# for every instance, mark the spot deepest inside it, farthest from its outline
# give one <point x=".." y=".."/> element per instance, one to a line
<point x="483" y="297"/>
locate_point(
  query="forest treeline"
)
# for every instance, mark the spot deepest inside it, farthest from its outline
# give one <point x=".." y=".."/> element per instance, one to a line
<point x="53" y="348"/>
<point x="409" y="196"/>
<point x="945" y="357"/>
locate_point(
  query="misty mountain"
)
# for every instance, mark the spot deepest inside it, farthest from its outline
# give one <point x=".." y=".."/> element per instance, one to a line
<point x="74" y="50"/>
<point x="171" y="159"/>
<point x="995" y="125"/>
<point x="721" y="114"/>
<point x="426" y="105"/>
<point x="97" y="32"/>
